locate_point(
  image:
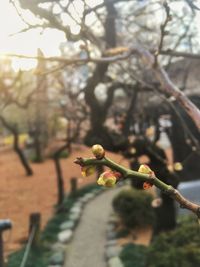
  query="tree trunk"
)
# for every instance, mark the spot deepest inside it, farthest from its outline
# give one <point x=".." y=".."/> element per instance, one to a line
<point x="98" y="114"/>
<point x="184" y="138"/>
<point x="13" y="129"/>
<point x="38" y="147"/>
<point x="60" y="180"/>
<point x="129" y="115"/>
<point x="21" y="155"/>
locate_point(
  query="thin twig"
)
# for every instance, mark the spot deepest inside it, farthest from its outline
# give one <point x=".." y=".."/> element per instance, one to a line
<point x="163" y="31"/>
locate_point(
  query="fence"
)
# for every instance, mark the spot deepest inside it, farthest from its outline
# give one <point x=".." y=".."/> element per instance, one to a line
<point x="34" y="230"/>
<point x="4" y="225"/>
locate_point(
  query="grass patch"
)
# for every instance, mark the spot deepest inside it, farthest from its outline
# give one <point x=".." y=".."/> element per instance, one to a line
<point x="37" y="257"/>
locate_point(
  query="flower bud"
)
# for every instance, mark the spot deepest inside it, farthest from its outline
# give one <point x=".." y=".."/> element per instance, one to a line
<point x="147" y="185"/>
<point x="145" y="169"/>
<point x="87" y="170"/>
<point x="107" y="179"/>
<point x="178" y="166"/>
<point x="98" y="151"/>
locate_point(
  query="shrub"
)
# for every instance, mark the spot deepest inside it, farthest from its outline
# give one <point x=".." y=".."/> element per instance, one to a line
<point x="35" y="159"/>
<point x="64" y="154"/>
<point x="133" y="255"/>
<point x="134" y="208"/>
<point x="180" y="247"/>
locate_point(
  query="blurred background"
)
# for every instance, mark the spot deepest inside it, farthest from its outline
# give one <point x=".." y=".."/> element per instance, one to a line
<point x="67" y="82"/>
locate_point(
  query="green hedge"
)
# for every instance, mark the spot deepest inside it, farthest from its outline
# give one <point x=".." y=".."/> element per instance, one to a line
<point x="133" y="255"/>
<point x="134" y="208"/>
<point x="178" y="248"/>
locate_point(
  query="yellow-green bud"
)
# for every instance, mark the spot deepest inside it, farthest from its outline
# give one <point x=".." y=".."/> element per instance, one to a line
<point x="145" y="169"/>
<point x="107" y="179"/>
<point x="87" y="170"/>
<point x="98" y="151"/>
<point x="178" y="166"/>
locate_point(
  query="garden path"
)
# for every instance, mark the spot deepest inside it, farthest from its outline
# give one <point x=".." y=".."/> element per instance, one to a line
<point x="87" y="247"/>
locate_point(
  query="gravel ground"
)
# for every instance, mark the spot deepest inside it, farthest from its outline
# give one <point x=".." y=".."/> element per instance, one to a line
<point x="87" y="246"/>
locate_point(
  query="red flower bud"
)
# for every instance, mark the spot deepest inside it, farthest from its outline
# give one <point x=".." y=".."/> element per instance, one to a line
<point x="146" y="170"/>
<point x="147" y="185"/>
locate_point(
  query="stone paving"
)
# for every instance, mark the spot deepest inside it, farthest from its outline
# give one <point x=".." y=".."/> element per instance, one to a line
<point x="87" y="248"/>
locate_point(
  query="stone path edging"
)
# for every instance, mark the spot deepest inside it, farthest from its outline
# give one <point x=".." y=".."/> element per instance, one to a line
<point x="68" y="227"/>
<point x="112" y="249"/>
<point x="65" y="236"/>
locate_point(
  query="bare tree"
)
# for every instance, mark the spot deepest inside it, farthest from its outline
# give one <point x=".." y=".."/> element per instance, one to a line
<point x="16" y="146"/>
<point x="9" y="97"/>
<point x="128" y="45"/>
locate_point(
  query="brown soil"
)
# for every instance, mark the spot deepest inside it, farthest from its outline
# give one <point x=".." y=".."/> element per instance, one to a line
<point x="21" y="195"/>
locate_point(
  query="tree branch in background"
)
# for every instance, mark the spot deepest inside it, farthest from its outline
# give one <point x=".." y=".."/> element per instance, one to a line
<point x="173" y="53"/>
<point x="163" y="31"/>
<point x="167" y="85"/>
<point x="121" y="55"/>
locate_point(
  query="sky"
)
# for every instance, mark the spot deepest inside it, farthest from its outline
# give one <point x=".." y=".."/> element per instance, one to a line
<point x="28" y="42"/>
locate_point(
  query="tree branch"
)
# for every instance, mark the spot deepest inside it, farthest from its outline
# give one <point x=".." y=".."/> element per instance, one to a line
<point x="163" y="31"/>
<point x="180" y="54"/>
<point x="169" y="87"/>
<point x="127" y="173"/>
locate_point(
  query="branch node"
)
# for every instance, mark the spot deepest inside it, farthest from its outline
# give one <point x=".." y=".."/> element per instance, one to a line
<point x="79" y="161"/>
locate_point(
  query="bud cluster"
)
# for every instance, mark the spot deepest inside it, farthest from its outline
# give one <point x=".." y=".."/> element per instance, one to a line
<point x="146" y="170"/>
<point x="108" y="178"/>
